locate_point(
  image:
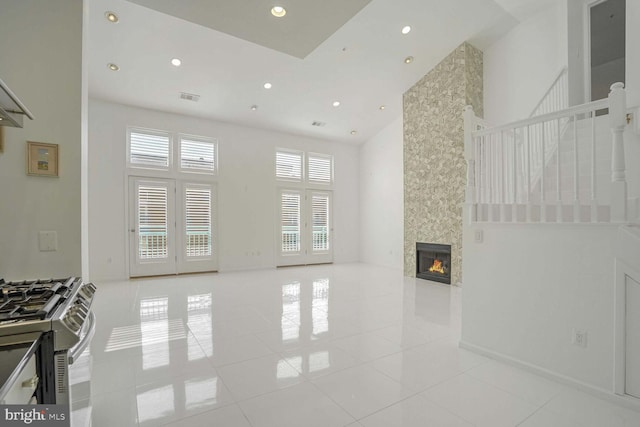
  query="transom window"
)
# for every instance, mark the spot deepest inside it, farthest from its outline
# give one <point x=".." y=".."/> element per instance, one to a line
<point x="149" y="149"/>
<point x="197" y="154"/>
<point x="291" y="166"/>
<point x="153" y="149"/>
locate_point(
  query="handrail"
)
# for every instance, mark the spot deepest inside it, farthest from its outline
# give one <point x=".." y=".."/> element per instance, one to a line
<point x="553" y="85"/>
<point x="571" y="111"/>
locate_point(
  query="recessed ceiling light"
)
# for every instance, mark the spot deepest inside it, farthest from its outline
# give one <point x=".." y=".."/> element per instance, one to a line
<point x="278" y="11"/>
<point x="382" y="107"/>
<point x="254" y="107"/>
<point x="1" y="119"/>
<point x="353" y="132"/>
<point x="111" y="17"/>
<point x="336" y="103"/>
<point x="112" y="66"/>
<point x="176" y="62"/>
<point x="408" y="60"/>
<point x="267" y="86"/>
<point x="406" y="29"/>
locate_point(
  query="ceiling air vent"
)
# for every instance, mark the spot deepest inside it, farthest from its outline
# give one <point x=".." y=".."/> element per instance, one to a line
<point x="189" y="96"/>
<point x="318" y="124"/>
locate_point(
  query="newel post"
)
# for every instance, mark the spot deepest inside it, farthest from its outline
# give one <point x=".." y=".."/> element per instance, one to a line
<point x="469" y="156"/>
<point x="618" y="121"/>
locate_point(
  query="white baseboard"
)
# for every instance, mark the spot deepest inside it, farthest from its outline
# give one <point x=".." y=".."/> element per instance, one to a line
<point x="609" y="395"/>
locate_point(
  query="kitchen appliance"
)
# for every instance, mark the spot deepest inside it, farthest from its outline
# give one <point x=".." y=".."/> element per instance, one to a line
<point x="53" y="319"/>
<point x="11" y="109"/>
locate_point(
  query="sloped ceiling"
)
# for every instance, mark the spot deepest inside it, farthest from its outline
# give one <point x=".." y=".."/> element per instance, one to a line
<point x="312" y="57"/>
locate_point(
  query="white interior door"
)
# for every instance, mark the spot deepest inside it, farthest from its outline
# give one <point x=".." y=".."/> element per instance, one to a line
<point x="198" y="237"/>
<point x="152" y="227"/>
<point x="305" y="227"/>
<point x="632" y="341"/>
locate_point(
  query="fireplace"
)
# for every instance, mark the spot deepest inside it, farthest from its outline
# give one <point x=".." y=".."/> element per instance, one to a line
<point x="433" y="262"/>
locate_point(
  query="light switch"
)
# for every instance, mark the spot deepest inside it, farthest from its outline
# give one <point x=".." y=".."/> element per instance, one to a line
<point x="48" y="241"/>
<point x="478" y="236"/>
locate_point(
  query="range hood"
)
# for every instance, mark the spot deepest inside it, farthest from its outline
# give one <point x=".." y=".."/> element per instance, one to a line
<point x="12" y="110"/>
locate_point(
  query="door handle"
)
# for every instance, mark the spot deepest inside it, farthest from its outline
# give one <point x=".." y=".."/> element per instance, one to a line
<point x="133" y="230"/>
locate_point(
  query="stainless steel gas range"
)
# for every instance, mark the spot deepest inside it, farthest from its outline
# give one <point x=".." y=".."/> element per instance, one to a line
<point x="44" y="326"/>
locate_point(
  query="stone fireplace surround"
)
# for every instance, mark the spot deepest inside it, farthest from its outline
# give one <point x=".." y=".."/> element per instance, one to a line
<point x="434" y="165"/>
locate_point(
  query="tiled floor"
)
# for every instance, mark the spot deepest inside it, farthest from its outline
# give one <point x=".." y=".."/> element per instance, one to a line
<point x="342" y="345"/>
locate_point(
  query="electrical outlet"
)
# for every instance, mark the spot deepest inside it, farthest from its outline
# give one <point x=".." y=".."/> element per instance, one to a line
<point x="579" y="338"/>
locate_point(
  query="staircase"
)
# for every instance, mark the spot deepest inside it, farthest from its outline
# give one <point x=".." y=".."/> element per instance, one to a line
<point x="565" y="166"/>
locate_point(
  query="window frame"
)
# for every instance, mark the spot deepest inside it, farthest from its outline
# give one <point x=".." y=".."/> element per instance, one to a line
<point x="196" y="138"/>
<point x="148" y="131"/>
<point x="329" y="157"/>
<point x="288" y="151"/>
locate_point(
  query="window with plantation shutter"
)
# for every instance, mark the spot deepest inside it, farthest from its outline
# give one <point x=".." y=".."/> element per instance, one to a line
<point x="320" y="168"/>
<point x="289" y="165"/>
<point x="149" y="149"/>
<point x="320" y="222"/>
<point x="197" y="154"/>
<point x="198" y="221"/>
<point x="290" y="222"/>
<point x="152" y="222"/>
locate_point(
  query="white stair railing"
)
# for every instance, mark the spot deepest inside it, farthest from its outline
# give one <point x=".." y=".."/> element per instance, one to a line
<point x="555" y="99"/>
<point x="557" y="96"/>
<point x="502" y="163"/>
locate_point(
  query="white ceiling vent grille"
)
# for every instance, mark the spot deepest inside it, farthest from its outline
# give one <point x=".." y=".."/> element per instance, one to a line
<point x="189" y="96"/>
<point x="318" y="124"/>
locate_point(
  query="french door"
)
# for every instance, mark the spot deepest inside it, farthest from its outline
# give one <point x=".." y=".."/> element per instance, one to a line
<point x="305" y="227"/>
<point x="171" y="227"/>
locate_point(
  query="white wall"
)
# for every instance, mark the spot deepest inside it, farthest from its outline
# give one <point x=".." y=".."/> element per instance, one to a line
<point x="381" y="198"/>
<point x="632" y="53"/>
<point x="246" y="187"/>
<point x="520" y="67"/>
<point x="527" y="287"/>
<point x="41" y="55"/>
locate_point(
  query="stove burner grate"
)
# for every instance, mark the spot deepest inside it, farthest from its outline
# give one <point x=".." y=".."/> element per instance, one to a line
<point x="31" y="300"/>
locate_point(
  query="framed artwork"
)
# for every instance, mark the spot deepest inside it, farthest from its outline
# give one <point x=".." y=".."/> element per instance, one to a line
<point x="42" y="159"/>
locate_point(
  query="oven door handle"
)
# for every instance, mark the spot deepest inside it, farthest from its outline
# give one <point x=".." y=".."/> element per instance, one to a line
<point x="75" y="352"/>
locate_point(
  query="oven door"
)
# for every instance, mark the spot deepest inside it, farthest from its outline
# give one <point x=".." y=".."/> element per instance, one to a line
<point x="18" y="372"/>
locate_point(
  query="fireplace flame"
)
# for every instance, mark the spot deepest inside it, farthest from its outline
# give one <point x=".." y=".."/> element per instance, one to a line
<point x="437" y="267"/>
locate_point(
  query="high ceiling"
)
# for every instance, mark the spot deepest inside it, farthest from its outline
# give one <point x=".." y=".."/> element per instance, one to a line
<point x="311" y="57"/>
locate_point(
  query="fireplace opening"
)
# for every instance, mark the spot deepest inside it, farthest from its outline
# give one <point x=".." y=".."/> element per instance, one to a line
<point x="433" y="262"/>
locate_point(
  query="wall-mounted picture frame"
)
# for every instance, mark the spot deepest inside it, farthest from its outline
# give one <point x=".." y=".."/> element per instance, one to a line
<point x="42" y="159"/>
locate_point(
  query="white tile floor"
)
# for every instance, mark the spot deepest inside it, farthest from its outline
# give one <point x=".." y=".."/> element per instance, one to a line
<point x="337" y="345"/>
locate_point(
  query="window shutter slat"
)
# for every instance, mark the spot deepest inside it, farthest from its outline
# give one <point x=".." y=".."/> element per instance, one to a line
<point x="149" y="149"/>
<point x="320" y="222"/>
<point x="197" y="154"/>
<point x="320" y="169"/>
<point x="152" y="222"/>
<point x="198" y="221"/>
<point x="289" y="165"/>
<point x="290" y="222"/>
